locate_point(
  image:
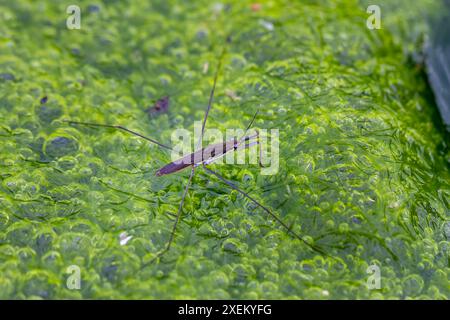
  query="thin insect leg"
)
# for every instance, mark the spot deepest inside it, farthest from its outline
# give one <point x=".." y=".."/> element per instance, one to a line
<point x="118" y="128"/>
<point x="211" y="97"/>
<point x="247" y="138"/>
<point x="177" y="219"/>
<point x="211" y="160"/>
<point x="260" y="151"/>
<point x="249" y="125"/>
<point x="251" y="144"/>
<point x="232" y="185"/>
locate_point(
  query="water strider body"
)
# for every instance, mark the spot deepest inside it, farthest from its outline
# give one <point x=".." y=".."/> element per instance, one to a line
<point x="210" y="153"/>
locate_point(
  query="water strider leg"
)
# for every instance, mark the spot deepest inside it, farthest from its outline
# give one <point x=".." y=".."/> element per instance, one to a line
<point x="249" y="125"/>
<point x="211" y="98"/>
<point x="177" y="219"/>
<point x="255" y="136"/>
<point x="233" y="186"/>
<point x="260" y="151"/>
<point x="118" y="128"/>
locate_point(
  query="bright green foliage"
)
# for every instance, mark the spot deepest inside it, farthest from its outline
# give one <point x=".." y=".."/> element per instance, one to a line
<point x="364" y="165"/>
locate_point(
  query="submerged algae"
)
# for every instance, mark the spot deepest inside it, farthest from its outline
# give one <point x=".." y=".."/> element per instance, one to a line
<point x="363" y="166"/>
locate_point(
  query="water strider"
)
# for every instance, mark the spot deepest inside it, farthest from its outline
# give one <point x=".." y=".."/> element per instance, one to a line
<point x="203" y="157"/>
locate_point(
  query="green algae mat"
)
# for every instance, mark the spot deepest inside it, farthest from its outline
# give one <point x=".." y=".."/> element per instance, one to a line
<point x="363" y="155"/>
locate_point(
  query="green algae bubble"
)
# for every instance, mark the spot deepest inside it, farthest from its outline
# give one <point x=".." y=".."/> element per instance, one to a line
<point x="220" y="279"/>
<point x="39" y="285"/>
<point x="412" y="285"/>
<point x="59" y="146"/>
<point x="234" y="246"/>
<point x="48" y="112"/>
<point x="67" y="163"/>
